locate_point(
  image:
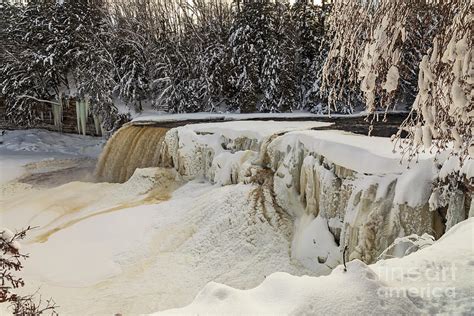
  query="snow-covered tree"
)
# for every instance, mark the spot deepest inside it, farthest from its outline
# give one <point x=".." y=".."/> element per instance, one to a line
<point x="349" y="24"/>
<point x="196" y="71"/>
<point x="31" y="68"/>
<point x="188" y="56"/>
<point x="443" y="110"/>
<point x="442" y="115"/>
<point x="95" y="73"/>
<point x="307" y="31"/>
<point x="401" y="33"/>
<point x="47" y="46"/>
<point x="259" y="60"/>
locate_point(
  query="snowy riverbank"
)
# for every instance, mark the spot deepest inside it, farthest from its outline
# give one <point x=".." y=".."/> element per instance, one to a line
<point x="245" y="203"/>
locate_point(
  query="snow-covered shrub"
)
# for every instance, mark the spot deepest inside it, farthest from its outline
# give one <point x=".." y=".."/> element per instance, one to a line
<point x="11" y="262"/>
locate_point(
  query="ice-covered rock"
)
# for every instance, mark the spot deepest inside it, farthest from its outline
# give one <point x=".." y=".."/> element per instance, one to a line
<point x="356" y="184"/>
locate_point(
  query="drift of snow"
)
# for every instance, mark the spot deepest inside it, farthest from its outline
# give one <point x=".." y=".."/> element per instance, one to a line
<point x="414" y="284"/>
<point x="46" y="142"/>
<point x="149" y="257"/>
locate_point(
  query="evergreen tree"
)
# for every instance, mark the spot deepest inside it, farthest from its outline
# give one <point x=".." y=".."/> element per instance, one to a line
<point x="33" y="69"/>
<point x="259" y="60"/>
<point x="95" y="72"/>
<point x="308" y="30"/>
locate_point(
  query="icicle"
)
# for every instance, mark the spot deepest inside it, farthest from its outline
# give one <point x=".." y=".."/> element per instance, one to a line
<point x="84" y="117"/>
<point x="97" y="125"/>
<point x="82" y="113"/>
<point x="102" y="129"/>
<point x="78" y="115"/>
<point x="57" y="110"/>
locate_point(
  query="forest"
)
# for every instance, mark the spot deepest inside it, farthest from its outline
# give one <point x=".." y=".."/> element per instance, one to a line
<point x="243" y="56"/>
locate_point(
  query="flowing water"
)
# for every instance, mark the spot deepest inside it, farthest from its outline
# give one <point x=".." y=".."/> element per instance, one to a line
<point x="130" y="148"/>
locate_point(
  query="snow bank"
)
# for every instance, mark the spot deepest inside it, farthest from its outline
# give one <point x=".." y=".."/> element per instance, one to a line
<point x="390" y="287"/>
<point x="341" y="293"/>
<point x="21" y="147"/>
<point x="359" y="153"/>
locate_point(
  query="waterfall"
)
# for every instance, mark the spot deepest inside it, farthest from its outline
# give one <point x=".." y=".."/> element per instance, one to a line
<point x="131" y="147"/>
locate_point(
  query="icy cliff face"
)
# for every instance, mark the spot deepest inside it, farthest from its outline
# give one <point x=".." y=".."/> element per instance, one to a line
<point x="343" y="191"/>
<point x="364" y="212"/>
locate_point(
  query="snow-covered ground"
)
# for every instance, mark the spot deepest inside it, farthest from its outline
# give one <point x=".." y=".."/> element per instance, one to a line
<point x="20" y="147"/>
<point x="435" y="280"/>
<point x="239" y="208"/>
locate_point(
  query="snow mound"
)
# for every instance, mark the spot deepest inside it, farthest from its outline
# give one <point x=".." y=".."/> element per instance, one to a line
<point x="386" y="288"/>
<point x="144" y="258"/>
<point x="340" y="293"/>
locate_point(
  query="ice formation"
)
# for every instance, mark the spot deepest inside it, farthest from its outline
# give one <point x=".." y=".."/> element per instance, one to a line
<point x="57" y="110"/>
<point x="342" y="193"/>
<point x="82" y="112"/>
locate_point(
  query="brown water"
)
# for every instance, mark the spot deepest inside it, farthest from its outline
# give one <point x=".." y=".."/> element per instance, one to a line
<point x="153" y="197"/>
<point x="131" y="147"/>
